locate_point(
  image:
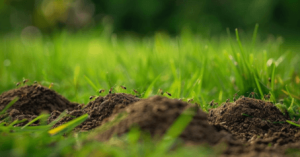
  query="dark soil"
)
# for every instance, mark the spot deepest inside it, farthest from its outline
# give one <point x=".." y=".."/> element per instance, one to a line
<point x="156" y="114"/>
<point x="33" y="100"/>
<point x="99" y="109"/>
<point x="249" y="127"/>
<point x="259" y="124"/>
<point x="250" y="119"/>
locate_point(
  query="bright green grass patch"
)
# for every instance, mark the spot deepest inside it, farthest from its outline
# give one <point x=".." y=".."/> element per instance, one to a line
<point x="187" y="66"/>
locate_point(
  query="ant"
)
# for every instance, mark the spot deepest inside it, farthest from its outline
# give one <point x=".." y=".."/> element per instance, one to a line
<point x="101" y="91"/>
<point x="234" y="96"/>
<point x="160" y="91"/>
<point x="267" y="96"/>
<point x="35" y="82"/>
<point x="228" y="100"/>
<point x="190" y="100"/>
<point x="137" y="93"/>
<point x="252" y="94"/>
<point x="17" y="84"/>
<point x="197" y="105"/>
<point x="169" y="93"/>
<point x="212" y="103"/>
<point x="269" y="79"/>
<point x="25" y="80"/>
<point x="91" y="97"/>
<point x="123" y="87"/>
<point x="110" y="90"/>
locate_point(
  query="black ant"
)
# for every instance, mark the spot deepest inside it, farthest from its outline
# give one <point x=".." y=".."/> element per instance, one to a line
<point x="252" y="94"/>
<point x="234" y="96"/>
<point x="17" y="84"/>
<point x="211" y="103"/>
<point x="228" y="100"/>
<point x="169" y="93"/>
<point x="25" y="80"/>
<point x="91" y="97"/>
<point x="123" y="87"/>
<point x="190" y="100"/>
<point x="135" y="91"/>
<point x="101" y="91"/>
<point x="267" y="96"/>
<point x="161" y="92"/>
<point x="110" y="90"/>
<point x="269" y="79"/>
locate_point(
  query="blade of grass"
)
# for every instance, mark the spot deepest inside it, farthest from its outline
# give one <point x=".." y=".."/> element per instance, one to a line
<point x="17" y="122"/>
<point x="68" y="126"/>
<point x="293" y="123"/>
<point x="57" y="119"/>
<point x="36" y="119"/>
<point x="76" y="76"/>
<point x="91" y="83"/>
<point x="174" y="131"/>
<point x="259" y="87"/>
<point x="254" y="35"/>
<point x="9" y="105"/>
<point x="107" y="125"/>
<point x="273" y="76"/>
<point x="150" y="87"/>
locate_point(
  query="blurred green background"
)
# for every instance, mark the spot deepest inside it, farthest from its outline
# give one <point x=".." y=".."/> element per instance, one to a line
<point x="148" y="16"/>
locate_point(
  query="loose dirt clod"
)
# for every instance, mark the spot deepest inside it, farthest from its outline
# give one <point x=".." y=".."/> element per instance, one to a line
<point x="156" y="114"/>
<point x="99" y="109"/>
<point x="254" y="121"/>
<point x="33" y="100"/>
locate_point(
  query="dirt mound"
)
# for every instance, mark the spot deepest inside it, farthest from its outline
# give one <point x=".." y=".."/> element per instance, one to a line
<point x="254" y="121"/>
<point x="99" y="109"/>
<point x="33" y="100"/>
<point x="156" y="114"/>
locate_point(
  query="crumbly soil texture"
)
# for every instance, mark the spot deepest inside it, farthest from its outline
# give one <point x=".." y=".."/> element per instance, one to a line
<point x="259" y="124"/>
<point x="249" y="127"/>
<point x="98" y="110"/>
<point x="155" y="115"/>
<point x="32" y="101"/>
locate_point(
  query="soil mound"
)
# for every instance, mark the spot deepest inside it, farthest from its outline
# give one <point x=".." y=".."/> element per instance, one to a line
<point x="98" y="110"/>
<point x="156" y="114"/>
<point x="254" y="121"/>
<point x="33" y="100"/>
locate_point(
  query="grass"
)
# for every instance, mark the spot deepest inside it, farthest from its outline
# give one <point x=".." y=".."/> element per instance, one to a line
<point x="187" y="66"/>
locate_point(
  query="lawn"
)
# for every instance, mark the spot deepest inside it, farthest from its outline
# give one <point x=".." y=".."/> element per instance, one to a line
<point x="188" y="66"/>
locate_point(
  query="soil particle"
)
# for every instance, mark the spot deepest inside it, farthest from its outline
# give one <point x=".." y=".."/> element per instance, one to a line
<point x="254" y="121"/>
<point x="156" y="114"/>
<point x="99" y="109"/>
<point x="33" y="100"/>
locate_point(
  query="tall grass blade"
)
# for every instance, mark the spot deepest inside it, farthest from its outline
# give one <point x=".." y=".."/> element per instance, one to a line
<point x="91" y="83"/>
<point x="68" y="126"/>
<point x="258" y="86"/>
<point x="174" y="131"/>
<point x="57" y="119"/>
<point x="273" y="76"/>
<point x="9" y="105"/>
<point x="254" y="35"/>
<point x="148" y="92"/>
<point x="295" y="124"/>
<point x="36" y="119"/>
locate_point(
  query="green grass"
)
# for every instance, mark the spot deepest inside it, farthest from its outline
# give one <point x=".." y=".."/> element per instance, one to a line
<point x="187" y="66"/>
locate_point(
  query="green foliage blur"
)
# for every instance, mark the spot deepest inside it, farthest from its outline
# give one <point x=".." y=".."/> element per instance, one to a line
<point x="147" y="16"/>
